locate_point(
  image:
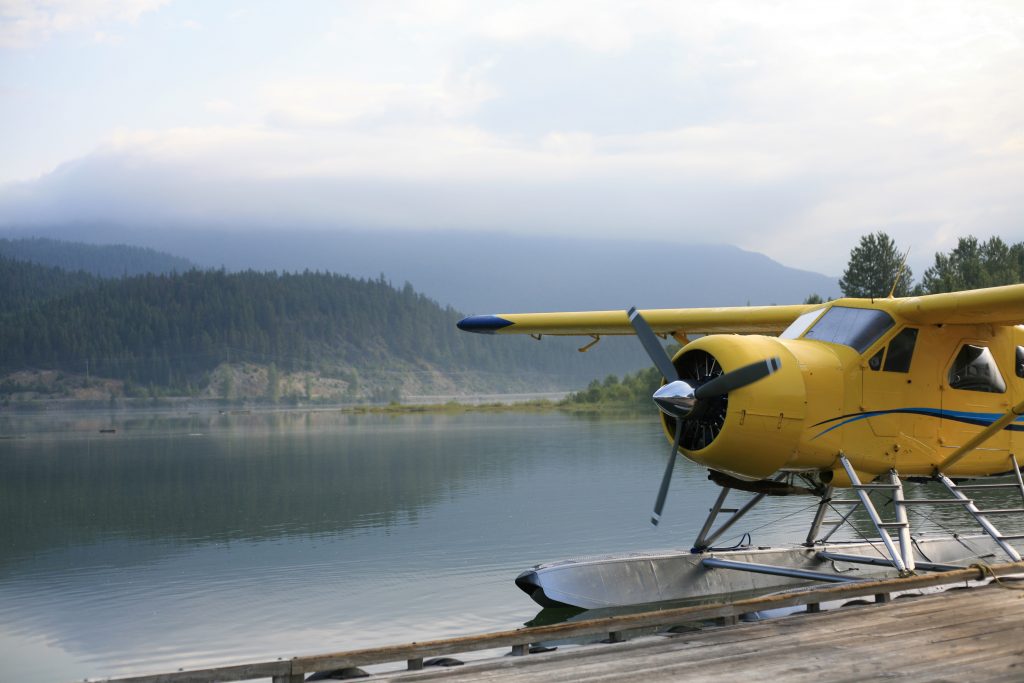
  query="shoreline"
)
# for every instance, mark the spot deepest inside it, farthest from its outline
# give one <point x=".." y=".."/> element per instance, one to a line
<point x="548" y="401"/>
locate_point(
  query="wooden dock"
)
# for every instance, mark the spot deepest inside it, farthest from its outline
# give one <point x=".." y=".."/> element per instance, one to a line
<point x="960" y="634"/>
<point x="964" y="635"/>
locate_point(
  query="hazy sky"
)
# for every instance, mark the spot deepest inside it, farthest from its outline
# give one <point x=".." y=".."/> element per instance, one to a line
<point x="787" y="128"/>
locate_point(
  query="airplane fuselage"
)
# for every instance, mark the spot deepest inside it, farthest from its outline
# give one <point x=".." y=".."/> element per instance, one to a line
<point x="858" y="378"/>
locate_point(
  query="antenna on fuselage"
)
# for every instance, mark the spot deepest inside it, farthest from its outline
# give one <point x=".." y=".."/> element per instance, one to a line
<point x="899" y="273"/>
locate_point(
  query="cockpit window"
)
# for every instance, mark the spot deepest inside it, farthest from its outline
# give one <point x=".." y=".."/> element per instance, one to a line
<point x="855" y="327"/>
<point x="975" y="370"/>
<point x="901" y="350"/>
<point x="798" y="326"/>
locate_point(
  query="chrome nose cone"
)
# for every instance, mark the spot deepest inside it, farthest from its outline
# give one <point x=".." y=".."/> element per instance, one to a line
<point x="675" y="399"/>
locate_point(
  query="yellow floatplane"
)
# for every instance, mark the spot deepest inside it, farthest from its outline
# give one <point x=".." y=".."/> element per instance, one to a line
<point x="859" y="394"/>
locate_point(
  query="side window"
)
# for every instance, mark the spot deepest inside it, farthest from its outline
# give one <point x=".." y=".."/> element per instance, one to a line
<point x="875" y="363"/>
<point x="975" y="370"/>
<point x="1020" y="361"/>
<point x="901" y="350"/>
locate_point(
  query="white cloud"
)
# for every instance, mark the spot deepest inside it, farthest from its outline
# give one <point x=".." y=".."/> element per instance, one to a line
<point x="603" y="27"/>
<point x="335" y="102"/>
<point x="786" y="128"/>
<point x="105" y="38"/>
<point x="220" y="105"/>
<point x="26" y="23"/>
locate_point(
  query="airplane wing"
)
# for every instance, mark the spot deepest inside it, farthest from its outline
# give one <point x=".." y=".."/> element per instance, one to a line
<point x="737" y="320"/>
<point x="994" y="306"/>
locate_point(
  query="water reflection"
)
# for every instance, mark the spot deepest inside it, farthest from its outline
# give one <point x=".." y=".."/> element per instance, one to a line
<point x="193" y="540"/>
<point x="239" y="478"/>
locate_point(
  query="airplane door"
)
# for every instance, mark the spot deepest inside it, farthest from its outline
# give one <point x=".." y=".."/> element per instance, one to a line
<point x="974" y="394"/>
<point x="887" y="383"/>
<point x="882" y="393"/>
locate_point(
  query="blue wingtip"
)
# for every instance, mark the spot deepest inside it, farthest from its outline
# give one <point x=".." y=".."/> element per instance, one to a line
<point x="483" y="324"/>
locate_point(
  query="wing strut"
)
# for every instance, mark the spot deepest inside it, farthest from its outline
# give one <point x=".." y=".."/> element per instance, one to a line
<point x="981" y="437"/>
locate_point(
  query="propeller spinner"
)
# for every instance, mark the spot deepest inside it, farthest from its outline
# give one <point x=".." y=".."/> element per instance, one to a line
<point x="680" y="400"/>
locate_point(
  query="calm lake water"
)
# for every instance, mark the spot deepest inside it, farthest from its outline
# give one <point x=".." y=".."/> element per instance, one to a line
<point x="192" y="540"/>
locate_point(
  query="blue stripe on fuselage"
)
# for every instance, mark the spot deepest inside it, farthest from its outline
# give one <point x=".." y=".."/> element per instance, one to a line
<point x="980" y="419"/>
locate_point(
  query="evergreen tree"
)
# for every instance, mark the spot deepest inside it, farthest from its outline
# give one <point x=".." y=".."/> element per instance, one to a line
<point x="873" y="268"/>
<point x="973" y="265"/>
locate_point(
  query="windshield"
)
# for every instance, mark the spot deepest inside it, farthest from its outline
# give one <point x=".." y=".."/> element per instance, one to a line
<point x="797" y="327"/>
<point x="855" y="327"/>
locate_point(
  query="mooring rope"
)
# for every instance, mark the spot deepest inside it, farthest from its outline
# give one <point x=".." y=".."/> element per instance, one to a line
<point x="986" y="570"/>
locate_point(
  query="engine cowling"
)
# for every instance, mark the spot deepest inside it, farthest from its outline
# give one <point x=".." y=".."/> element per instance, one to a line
<point x="753" y="431"/>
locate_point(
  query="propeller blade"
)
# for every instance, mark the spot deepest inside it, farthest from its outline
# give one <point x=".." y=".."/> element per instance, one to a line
<point x="659" y="504"/>
<point x="738" y="378"/>
<point x="653" y="347"/>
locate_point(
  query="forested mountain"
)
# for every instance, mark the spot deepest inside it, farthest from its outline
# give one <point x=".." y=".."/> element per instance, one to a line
<point x="103" y="260"/>
<point x="173" y="330"/>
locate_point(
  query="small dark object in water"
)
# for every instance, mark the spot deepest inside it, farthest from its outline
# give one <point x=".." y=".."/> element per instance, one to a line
<point x="537" y="649"/>
<point x="855" y="603"/>
<point x="338" y="674"/>
<point x="109" y="430"/>
<point x="443" y="661"/>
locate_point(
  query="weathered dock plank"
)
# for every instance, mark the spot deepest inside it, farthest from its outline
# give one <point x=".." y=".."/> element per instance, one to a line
<point x="975" y="635"/>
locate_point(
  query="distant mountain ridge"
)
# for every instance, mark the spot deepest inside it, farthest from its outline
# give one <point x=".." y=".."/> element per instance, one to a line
<point x="101" y="260"/>
<point x="494" y="272"/>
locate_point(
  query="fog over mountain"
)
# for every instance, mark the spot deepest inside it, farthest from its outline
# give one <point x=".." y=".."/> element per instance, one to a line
<point x="111" y="260"/>
<point x="493" y="272"/>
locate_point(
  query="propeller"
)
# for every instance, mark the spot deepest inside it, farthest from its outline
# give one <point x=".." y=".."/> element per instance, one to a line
<point x="741" y="377"/>
<point x="666" y="479"/>
<point x="681" y="401"/>
<point x="653" y="347"/>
